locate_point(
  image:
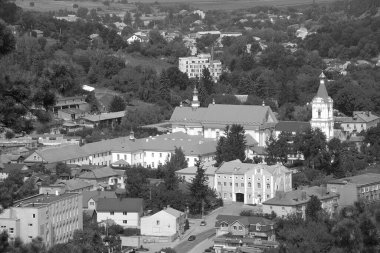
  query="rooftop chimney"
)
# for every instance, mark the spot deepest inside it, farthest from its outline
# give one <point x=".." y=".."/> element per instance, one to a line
<point x="263" y="103"/>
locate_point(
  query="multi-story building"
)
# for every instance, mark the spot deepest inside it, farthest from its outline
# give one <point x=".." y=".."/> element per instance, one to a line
<point x="360" y="121"/>
<point x="258" y="120"/>
<point x="255" y="234"/>
<point x="125" y="212"/>
<point x="251" y="183"/>
<point x="54" y="218"/>
<point x="351" y="189"/>
<point x="285" y="203"/>
<point x="187" y="174"/>
<point x="194" y="65"/>
<point x="77" y="102"/>
<point x="147" y="152"/>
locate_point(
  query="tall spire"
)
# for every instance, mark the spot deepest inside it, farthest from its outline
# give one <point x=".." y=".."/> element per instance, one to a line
<point x="195" y="102"/>
<point x="322" y="91"/>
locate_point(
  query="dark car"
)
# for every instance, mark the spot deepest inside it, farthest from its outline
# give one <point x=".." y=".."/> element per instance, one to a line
<point x="191" y="238"/>
<point x="203" y="223"/>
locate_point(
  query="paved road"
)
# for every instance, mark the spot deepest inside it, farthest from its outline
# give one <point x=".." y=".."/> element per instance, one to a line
<point x="201" y="247"/>
<point x="187" y="246"/>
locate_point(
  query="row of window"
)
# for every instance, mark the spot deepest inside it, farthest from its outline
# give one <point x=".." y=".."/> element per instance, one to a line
<point x="242" y="184"/>
<point x="225" y="195"/>
<point x="370" y="188"/>
<point x="113" y="213"/>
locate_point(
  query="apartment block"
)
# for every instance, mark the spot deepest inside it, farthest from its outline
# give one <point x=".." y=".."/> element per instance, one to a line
<point x="54" y="218"/>
<point x="194" y="65"/>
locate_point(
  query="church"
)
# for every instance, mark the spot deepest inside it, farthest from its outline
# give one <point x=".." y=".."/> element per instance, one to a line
<point x="259" y="121"/>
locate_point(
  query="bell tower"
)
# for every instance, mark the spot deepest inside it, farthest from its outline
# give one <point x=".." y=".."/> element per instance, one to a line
<point x="322" y="110"/>
<point x="195" y="103"/>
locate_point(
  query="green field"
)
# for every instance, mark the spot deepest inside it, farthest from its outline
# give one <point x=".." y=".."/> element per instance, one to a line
<point x="51" y="5"/>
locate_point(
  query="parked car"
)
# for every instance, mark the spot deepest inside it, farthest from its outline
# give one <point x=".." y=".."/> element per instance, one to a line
<point x="191" y="238"/>
<point x="203" y="223"/>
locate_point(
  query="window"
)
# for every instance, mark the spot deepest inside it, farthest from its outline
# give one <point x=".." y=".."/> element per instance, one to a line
<point x="157" y="222"/>
<point x="152" y="164"/>
<point x="11" y="230"/>
<point x="268" y="196"/>
<point x="258" y="185"/>
<point x="319" y="113"/>
<point x="30" y="224"/>
<point x="125" y="213"/>
<point x="230" y="184"/>
<point x="34" y="215"/>
<point x="268" y="186"/>
<point x="160" y="154"/>
<point x="242" y="184"/>
<point x="249" y="184"/>
<point x="236" y="184"/>
<point x="112" y="213"/>
<point x="225" y="183"/>
<point x="125" y="221"/>
<point x="240" y="228"/>
<point x="219" y="183"/>
<point x="235" y="227"/>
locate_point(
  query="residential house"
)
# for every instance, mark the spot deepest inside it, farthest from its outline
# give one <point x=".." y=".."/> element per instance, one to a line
<point x="203" y="33"/>
<point x="351" y="189"/>
<point x="69" y="154"/>
<point x="8" y="168"/>
<point x="285" y="203"/>
<point x="210" y="122"/>
<point x="187" y="174"/>
<point x="77" y="102"/>
<point x="37" y="33"/>
<point x="54" y="218"/>
<point x="250" y="232"/>
<point x="70" y="114"/>
<point x="90" y="198"/>
<point x="68" y="18"/>
<point x="360" y="121"/>
<point x="194" y="65"/>
<point x="110" y="119"/>
<point x="251" y="183"/>
<point x="66" y="186"/>
<point x="104" y="176"/>
<point x="137" y="38"/>
<point x="125" y="212"/>
<point x="168" y="223"/>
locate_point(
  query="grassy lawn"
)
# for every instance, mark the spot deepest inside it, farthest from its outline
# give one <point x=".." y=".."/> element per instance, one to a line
<point x="155" y="63"/>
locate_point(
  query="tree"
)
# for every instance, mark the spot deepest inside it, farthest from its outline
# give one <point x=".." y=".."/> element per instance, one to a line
<point x="177" y="161"/>
<point x="187" y="225"/>
<point x="348" y="235"/>
<point x="199" y="186"/>
<point x="82" y="12"/>
<point x="117" y="104"/>
<point x="62" y="168"/>
<point x="313" y="208"/>
<point x="279" y="148"/>
<point x="7" y="40"/>
<point x="93" y="102"/>
<point x="164" y="87"/>
<point x="127" y="18"/>
<point x="207" y="82"/>
<point x="232" y="146"/>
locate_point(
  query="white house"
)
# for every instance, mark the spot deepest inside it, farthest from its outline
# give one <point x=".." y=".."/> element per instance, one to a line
<point x="138" y="38"/>
<point x="125" y="212"/>
<point x="168" y="223"/>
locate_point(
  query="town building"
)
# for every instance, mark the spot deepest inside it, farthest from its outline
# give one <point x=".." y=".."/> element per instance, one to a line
<point x="56" y="139"/>
<point x="251" y="183"/>
<point x="252" y="233"/>
<point x="322" y="110"/>
<point x="351" y="189"/>
<point x="210" y="122"/>
<point x="104" y="177"/>
<point x="69" y="154"/>
<point x="360" y="121"/>
<point x="54" y="218"/>
<point x="137" y="38"/>
<point x="291" y="202"/>
<point x="8" y="168"/>
<point x="70" y="114"/>
<point x="187" y="174"/>
<point x="165" y="225"/>
<point x="125" y="212"/>
<point x="194" y="65"/>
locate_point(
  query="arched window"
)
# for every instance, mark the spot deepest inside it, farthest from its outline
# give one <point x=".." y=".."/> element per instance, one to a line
<point x="319" y="113"/>
<point x="249" y="184"/>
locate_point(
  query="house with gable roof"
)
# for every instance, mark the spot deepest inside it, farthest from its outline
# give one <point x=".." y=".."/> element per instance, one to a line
<point x="90" y="198"/>
<point x="125" y="212"/>
<point x="168" y="223"/>
<point x="210" y="122"/>
<point x="69" y="154"/>
<point x="250" y="232"/>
